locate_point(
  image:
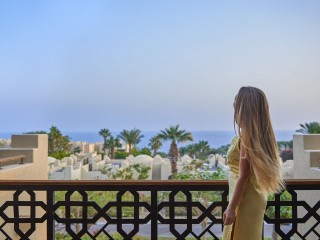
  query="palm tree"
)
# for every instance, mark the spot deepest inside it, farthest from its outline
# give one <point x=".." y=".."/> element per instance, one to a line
<point x="105" y="133"/>
<point x="202" y="148"/>
<point x="54" y="138"/>
<point x="309" y="128"/>
<point x="285" y="145"/>
<point x="155" y="144"/>
<point x="132" y="137"/>
<point x="192" y="150"/>
<point x="189" y="150"/>
<point x="175" y="135"/>
<point x="112" y="143"/>
<point x="58" y="142"/>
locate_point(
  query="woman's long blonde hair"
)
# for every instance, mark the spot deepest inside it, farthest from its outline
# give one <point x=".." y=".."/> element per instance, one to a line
<point x="251" y="115"/>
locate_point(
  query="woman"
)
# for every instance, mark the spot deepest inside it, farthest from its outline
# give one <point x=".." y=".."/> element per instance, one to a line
<point x="255" y="167"/>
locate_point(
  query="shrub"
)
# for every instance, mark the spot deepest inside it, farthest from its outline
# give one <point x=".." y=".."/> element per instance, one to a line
<point x="286" y="154"/>
<point x="145" y="151"/>
<point x="121" y="155"/>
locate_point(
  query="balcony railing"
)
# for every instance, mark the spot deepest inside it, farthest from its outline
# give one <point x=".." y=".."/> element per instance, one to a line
<point x="126" y="209"/>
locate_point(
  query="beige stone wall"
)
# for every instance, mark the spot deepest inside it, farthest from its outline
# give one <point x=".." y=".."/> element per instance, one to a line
<point x="306" y="154"/>
<point x="35" y="147"/>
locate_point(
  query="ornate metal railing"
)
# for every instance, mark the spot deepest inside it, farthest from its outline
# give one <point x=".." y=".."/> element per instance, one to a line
<point x="126" y="209"/>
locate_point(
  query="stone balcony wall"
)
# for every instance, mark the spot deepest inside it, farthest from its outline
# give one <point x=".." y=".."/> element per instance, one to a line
<point x="35" y="167"/>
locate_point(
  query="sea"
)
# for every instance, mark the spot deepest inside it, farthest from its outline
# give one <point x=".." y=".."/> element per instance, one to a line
<point x="215" y="139"/>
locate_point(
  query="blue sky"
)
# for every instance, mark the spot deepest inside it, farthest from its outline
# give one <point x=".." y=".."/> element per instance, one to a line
<point x="86" y="65"/>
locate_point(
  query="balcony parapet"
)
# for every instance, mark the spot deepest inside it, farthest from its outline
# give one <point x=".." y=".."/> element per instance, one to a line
<point x="196" y="205"/>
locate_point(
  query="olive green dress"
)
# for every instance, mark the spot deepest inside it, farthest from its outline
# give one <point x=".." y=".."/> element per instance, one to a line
<point x="250" y="211"/>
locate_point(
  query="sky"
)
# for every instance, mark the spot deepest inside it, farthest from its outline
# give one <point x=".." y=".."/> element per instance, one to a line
<point x="86" y="65"/>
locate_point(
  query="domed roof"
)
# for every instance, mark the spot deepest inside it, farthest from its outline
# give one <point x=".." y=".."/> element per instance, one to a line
<point x="186" y="158"/>
<point x="142" y="158"/>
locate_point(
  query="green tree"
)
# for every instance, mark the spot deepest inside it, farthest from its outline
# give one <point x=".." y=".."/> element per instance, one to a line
<point x="112" y="143"/>
<point x="188" y="150"/>
<point x="285" y="150"/>
<point x="163" y="154"/>
<point x="36" y="132"/>
<point x="121" y="155"/>
<point x="155" y="144"/>
<point x="309" y="128"/>
<point x="286" y="154"/>
<point x="104" y="133"/>
<point x="175" y="135"/>
<point x="135" y="152"/>
<point x="145" y="151"/>
<point x="285" y="145"/>
<point x="202" y="149"/>
<point x="1" y="143"/>
<point x="131" y="137"/>
<point x="77" y="150"/>
<point x="221" y="150"/>
<point x="58" y="145"/>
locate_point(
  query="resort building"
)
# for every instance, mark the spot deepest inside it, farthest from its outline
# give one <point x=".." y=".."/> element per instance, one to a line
<point x="85" y="147"/>
<point x="90" y="166"/>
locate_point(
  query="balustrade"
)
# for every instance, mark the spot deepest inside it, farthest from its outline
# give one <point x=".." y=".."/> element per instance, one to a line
<point x="126" y="209"/>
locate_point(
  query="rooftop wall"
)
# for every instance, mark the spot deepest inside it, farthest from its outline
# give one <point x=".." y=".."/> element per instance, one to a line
<point x="35" y="147"/>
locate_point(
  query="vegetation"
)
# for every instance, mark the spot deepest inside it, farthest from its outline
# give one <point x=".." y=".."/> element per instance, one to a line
<point x="187" y="175"/>
<point x="286" y="154"/>
<point x="155" y="144"/>
<point x="188" y="150"/>
<point x="144" y="151"/>
<point x="175" y="135"/>
<point x="112" y="143"/>
<point x="36" y="132"/>
<point x="163" y="154"/>
<point x="309" y="128"/>
<point x="131" y="137"/>
<point x="58" y="144"/>
<point x="221" y="150"/>
<point x="99" y="197"/>
<point x="198" y="150"/>
<point x="286" y="150"/>
<point x="205" y="197"/>
<point x="134" y="171"/>
<point x="134" y="152"/>
<point x="105" y="133"/>
<point x="77" y="150"/>
<point x="109" y="142"/>
<point x="285" y="211"/>
<point x="121" y="155"/>
<point x="285" y="144"/>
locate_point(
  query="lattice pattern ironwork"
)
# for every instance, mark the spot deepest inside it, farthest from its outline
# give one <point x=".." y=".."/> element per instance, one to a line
<point x="293" y="222"/>
<point x="17" y="219"/>
<point x="179" y="206"/>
